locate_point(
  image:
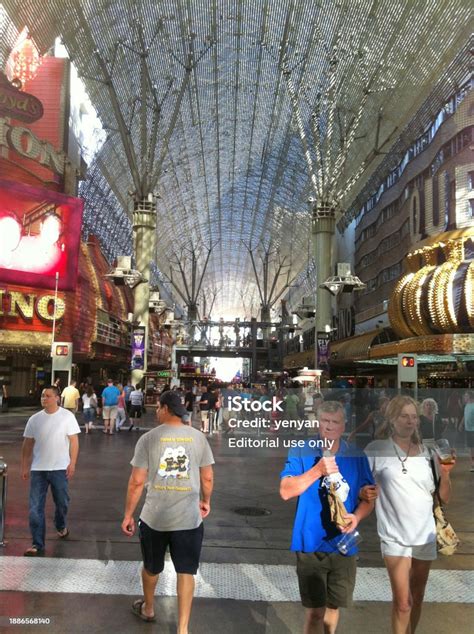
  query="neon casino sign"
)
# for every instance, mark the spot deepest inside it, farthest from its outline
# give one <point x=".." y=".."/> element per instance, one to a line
<point x="18" y="104"/>
<point x="27" y="306"/>
<point x="39" y="236"/>
<point x="27" y="144"/>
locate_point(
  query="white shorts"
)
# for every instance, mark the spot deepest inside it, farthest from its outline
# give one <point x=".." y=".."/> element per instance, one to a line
<point x="425" y="552"/>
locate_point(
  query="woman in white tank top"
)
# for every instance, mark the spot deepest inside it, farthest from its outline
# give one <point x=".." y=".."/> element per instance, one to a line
<point x="401" y="465"/>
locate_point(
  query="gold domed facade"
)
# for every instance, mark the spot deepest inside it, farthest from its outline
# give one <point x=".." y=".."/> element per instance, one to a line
<point x="436" y="295"/>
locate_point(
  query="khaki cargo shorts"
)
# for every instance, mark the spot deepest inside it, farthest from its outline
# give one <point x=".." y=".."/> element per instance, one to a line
<point x="326" y="579"/>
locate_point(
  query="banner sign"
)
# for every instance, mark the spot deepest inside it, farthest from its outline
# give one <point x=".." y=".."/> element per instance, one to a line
<point x="323" y="350"/>
<point x="138" y="348"/>
<point x="40" y="234"/>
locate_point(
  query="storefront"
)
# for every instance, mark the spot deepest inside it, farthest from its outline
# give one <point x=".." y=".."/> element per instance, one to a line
<point x="52" y="286"/>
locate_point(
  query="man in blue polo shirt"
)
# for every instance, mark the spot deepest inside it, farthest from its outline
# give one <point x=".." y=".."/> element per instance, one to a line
<point x="110" y="398"/>
<point x="326" y="578"/>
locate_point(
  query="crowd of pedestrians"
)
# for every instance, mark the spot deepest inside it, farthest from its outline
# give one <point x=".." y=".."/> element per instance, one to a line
<point x="337" y="488"/>
<point x="114" y="404"/>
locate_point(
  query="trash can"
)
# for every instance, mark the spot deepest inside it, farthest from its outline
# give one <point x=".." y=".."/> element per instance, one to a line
<point x="3" y="498"/>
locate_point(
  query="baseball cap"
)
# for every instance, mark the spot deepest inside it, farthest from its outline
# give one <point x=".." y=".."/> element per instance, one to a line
<point x="173" y="401"/>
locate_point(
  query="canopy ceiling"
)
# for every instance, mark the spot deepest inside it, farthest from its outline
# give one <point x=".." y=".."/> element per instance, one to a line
<point x="230" y="169"/>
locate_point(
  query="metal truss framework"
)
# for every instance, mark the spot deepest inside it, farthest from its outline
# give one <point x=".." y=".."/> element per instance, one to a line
<point x="228" y="164"/>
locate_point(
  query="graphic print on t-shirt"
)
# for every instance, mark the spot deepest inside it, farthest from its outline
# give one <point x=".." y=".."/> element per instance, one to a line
<point x="174" y="463"/>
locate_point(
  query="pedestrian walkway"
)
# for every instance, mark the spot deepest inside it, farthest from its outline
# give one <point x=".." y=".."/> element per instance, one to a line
<point x="247" y="581"/>
<point x="241" y="582"/>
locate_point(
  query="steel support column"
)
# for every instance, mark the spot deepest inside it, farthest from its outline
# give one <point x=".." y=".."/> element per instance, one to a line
<point x="253" y="335"/>
<point x="144" y="231"/>
<point x="323" y="230"/>
<point x="265" y="317"/>
<point x="192" y="319"/>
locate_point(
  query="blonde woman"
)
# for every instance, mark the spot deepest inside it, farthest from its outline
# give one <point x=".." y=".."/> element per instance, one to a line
<point x="429" y="420"/>
<point x="404" y="491"/>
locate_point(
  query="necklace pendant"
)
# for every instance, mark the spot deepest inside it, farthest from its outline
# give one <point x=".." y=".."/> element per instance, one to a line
<point x="404" y="469"/>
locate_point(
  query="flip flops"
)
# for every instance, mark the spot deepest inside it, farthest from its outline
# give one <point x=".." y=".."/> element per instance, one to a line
<point x="34" y="551"/>
<point x="137" y="610"/>
<point x="63" y="534"/>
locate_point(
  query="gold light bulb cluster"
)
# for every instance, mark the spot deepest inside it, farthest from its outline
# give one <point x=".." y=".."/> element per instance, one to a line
<point x="422" y="302"/>
<point x="469" y="293"/>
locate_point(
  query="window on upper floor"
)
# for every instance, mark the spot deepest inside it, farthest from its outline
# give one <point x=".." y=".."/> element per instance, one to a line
<point x="415" y="215"/>
<point x="470" y="180"/>
<point x="435" y="200"/>
<point x="470" y="207"/>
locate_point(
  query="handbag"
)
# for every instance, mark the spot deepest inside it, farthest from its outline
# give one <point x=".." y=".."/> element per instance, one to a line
<point x="447" y="541"/>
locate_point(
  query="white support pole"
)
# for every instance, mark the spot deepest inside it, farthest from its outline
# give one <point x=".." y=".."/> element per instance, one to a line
<point x="53" y="332"/>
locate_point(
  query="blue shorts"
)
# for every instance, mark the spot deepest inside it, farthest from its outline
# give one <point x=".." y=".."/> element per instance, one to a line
<point x="89" y="414"/>
<point x="185" y="548"/>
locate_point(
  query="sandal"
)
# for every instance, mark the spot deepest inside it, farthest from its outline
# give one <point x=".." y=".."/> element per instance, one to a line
<point x="64" y="533"/>
<point x="137" y="610"/>
<point x="34" y="551"/>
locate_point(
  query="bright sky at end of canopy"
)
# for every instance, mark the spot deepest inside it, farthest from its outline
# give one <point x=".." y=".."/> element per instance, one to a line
<point x="226" y="369"/>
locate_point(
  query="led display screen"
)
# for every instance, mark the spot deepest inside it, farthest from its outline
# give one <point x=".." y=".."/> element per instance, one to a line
<point x="40" y="233"/>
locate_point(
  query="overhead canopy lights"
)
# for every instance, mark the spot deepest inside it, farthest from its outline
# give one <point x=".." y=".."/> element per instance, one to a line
<point x="234" y="168"/>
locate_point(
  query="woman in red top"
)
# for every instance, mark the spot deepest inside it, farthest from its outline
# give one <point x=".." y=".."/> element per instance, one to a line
<point x="121" y="409"/>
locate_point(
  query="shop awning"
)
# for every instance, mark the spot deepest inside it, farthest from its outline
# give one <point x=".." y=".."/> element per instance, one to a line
<point x="25" y="341"/>
<point x="299" y="360"/>
<point x="358" y="348"/>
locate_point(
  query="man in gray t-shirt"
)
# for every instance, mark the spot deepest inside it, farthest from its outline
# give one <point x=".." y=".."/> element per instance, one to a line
<point x="174" y="463"/>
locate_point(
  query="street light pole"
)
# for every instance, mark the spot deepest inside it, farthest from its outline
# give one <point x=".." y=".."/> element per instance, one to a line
<point x="53" y="334"/>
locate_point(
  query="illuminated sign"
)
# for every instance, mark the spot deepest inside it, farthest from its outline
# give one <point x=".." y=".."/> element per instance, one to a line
<point x="408" y="362"/>
<point x="138" y="348"/>
<point x="40" y="232"/>
<point x="27" y="144"/>
<point x="323" y="349"/>
<point x="27" y="306"/>
<point x="62" y="351"/>
<point x="17" y="104"/>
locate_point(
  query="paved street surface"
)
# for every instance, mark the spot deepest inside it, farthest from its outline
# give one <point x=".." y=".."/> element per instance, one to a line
<point x="247" y="581"/>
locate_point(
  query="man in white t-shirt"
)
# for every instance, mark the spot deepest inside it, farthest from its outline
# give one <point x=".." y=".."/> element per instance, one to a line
<point x="49" y="452"/>
<point x="136" y="406"/>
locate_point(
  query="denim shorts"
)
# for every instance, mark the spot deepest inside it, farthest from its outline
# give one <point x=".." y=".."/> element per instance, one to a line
<point x="89" y="414"/>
